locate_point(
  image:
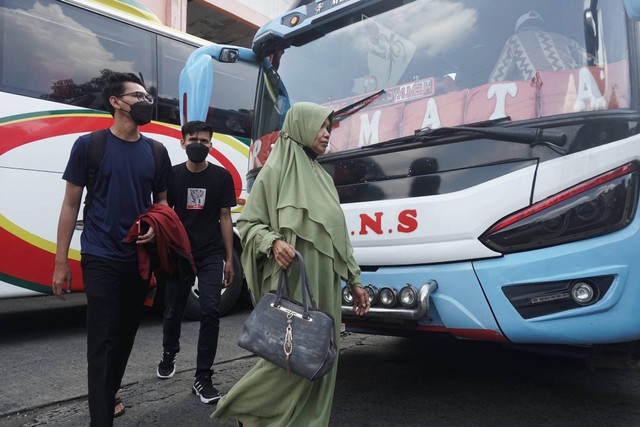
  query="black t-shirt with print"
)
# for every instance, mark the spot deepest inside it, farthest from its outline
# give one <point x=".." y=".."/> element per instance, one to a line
<point x="197" y="199"/>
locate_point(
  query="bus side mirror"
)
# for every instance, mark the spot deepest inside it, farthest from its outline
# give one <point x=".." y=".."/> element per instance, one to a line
<point x="229" y="55"/>
<point x="633" y="9"/>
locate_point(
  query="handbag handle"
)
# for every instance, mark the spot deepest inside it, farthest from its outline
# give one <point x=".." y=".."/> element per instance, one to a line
<point x="283" y="280"/>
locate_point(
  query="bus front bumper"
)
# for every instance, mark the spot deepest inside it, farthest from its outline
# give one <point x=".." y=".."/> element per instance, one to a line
<point x="419" y="311"/>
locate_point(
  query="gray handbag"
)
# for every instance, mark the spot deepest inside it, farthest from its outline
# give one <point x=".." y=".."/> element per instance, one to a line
<point x="290" y="334"/>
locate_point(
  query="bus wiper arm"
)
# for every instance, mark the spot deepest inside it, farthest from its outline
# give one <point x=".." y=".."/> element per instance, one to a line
<point x="515" y="134"/>
<point x="356" y="106"/>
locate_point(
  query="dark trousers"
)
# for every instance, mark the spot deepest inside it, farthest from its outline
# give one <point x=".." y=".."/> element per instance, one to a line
<point x="115" y="300"/>
<point x="209" y="287"/>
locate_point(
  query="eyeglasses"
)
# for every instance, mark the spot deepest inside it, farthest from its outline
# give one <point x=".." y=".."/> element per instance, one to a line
<point x="141" y="96"/>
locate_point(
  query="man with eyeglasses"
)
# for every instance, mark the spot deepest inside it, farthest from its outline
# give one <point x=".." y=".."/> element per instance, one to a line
<point x="122" y="190"/>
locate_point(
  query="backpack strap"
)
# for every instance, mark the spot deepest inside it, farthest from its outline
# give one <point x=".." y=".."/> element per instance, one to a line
<point x="158" y="158"/>
<point x="95" y="153"/>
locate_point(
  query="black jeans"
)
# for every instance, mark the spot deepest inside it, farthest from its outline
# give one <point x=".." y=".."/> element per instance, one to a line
<point x="209" y="286"/>
<point x="115" y="300"/>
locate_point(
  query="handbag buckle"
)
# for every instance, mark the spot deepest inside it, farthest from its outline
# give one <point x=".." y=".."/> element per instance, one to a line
<point x="292" y="313"/>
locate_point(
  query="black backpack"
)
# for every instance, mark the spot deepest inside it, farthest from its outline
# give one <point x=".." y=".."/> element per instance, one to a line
<point x="95" y="153"/>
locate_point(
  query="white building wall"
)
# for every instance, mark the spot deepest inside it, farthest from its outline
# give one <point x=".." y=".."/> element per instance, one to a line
<point x="255" y="13"/>
<point x="172" y="13"/>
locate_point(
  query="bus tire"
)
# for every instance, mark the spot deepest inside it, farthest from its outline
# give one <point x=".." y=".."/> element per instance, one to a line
<point x="228" y="298"/>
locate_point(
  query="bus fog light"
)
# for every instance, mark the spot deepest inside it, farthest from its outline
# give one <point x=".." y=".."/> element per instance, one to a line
<point x="374" y="294"/>
<point x="388" y="297"/>
<point x="347" y="299"/>
<point x="408" y="296"/>
<point x="583" y="293"/>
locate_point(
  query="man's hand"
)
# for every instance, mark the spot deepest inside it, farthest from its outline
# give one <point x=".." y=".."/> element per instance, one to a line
<point x="228" y="273"/>
<point x="148" y="237"/>
<point x="61" y="276"/>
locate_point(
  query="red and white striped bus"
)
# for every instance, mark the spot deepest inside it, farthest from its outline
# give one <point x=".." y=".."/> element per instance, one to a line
<point x="53" y="57"/>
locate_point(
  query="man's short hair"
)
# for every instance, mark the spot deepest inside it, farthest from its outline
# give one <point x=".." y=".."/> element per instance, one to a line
<point x="196" y="126"/>
<point x="114" y="86"/>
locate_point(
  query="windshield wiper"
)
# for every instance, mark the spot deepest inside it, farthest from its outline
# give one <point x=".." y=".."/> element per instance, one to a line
<point x="524" y="135"/>
<point x="356" y="106"/>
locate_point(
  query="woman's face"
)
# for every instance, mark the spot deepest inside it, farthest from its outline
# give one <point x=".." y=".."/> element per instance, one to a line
<point x="320" y="144"/>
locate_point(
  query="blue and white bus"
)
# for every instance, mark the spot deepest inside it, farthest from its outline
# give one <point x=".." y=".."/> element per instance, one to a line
<point x="490" y="187"/>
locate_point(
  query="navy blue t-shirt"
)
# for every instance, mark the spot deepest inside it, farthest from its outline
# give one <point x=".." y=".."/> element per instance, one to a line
<point x="123" y="190"/>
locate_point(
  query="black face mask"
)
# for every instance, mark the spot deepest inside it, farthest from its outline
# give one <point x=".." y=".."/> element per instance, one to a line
<point x="197" y="153"/>
<point x="141" y="112"/>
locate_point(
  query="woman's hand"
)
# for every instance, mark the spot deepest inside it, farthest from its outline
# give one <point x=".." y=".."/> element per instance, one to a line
<point x="361" y="304"/>
<point x="283" y="253"/>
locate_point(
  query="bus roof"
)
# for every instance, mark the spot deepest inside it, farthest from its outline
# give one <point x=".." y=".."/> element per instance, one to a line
<point x="299" y="20"/>
<point x="131" y="7"/>
<point x="134" y="13"/>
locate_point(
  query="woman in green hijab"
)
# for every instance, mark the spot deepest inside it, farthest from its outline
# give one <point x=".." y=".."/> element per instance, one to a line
<point x="294" y="204"/>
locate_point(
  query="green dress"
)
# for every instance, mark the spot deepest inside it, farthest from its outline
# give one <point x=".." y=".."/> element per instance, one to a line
<point x="292" y="199"/>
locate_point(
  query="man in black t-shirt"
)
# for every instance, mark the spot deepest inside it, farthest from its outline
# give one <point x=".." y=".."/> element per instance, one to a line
<point x="202" y="195"/>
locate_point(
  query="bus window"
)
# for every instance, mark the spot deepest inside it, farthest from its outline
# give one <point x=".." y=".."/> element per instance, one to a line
<point x="232" y="113"/>
<point x="58" y="68"/>
<point x="172" y="55"/>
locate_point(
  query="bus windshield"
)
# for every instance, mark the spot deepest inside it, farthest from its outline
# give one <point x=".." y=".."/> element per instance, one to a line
<point x="445" y="63"/>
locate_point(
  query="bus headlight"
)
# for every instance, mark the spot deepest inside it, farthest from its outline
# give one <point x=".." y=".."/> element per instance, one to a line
<point x="347" y="299"/>
<point x="599" y="206"/>
<point x="408" y="296"/>
<point x="374" y="294"/>
<point x="388" y="297"/>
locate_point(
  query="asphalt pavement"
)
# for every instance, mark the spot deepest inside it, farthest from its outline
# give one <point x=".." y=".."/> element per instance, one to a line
<point x="43" y="347"/>
<point x="151" y="402"/>
<point x="382" y="381"/>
